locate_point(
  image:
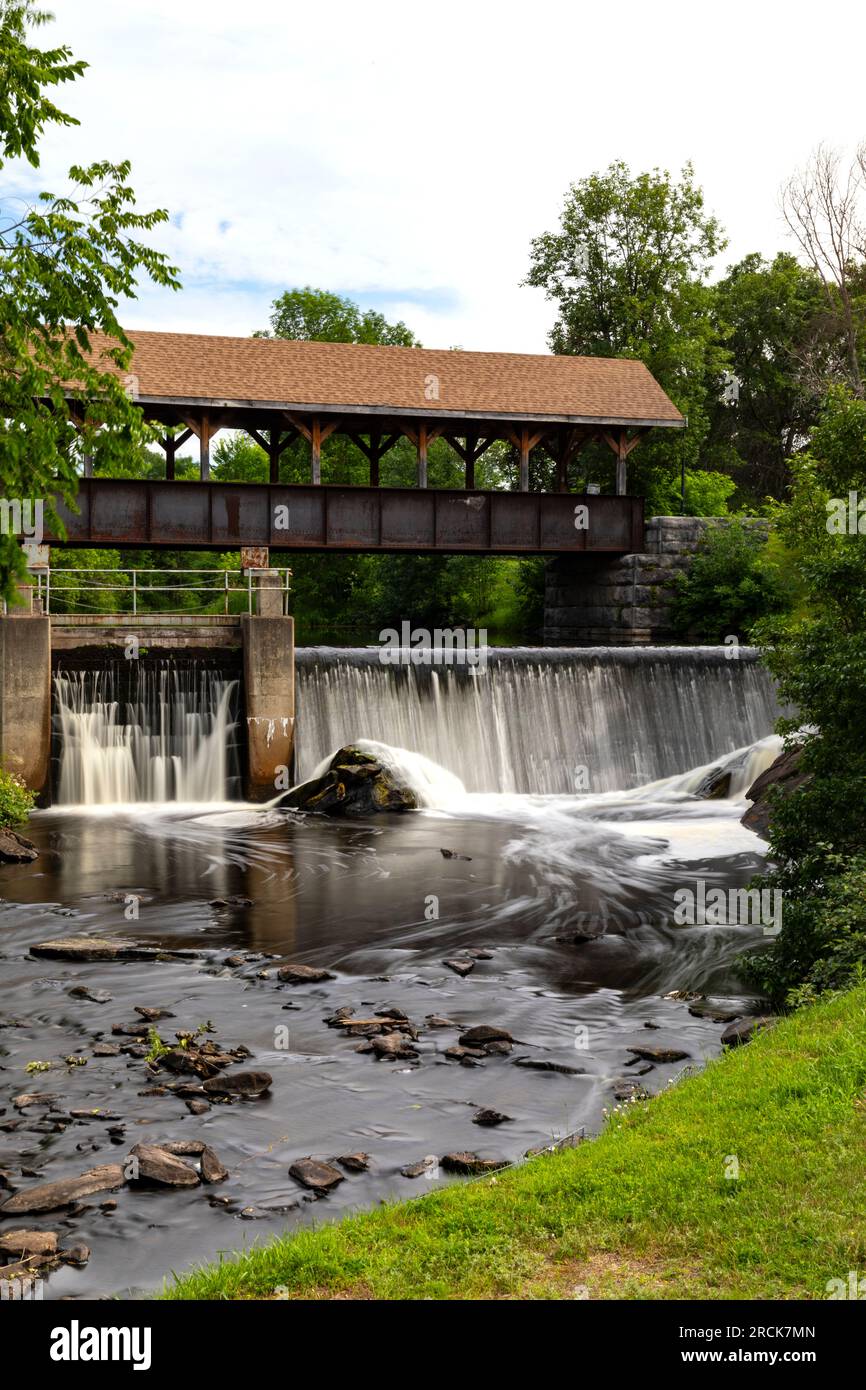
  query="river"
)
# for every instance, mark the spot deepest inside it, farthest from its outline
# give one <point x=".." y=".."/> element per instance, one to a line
<point x="558" y="793"/>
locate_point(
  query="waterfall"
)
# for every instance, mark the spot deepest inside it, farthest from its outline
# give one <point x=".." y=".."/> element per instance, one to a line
<point x="142" y="731"/>
<point x="541" y="720"/>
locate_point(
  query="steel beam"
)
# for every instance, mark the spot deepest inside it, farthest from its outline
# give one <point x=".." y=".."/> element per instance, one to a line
<point x="119" y="512"/>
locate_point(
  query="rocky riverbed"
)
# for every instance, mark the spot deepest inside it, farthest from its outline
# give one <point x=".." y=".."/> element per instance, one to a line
<point x="216" y="1024"/>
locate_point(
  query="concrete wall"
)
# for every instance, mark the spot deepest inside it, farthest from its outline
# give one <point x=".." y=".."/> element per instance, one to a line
<point x="269" y="691"/>
<point x="25" y="699"/>
<point x="623" y="601"/>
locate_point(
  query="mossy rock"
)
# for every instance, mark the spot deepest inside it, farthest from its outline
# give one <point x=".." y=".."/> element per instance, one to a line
<point x="355" y="783"/>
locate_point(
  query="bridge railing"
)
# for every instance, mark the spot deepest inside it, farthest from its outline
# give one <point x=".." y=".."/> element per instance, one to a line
<point x="202" y="591"/>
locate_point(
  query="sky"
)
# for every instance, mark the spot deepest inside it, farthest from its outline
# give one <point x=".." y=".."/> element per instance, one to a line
<point x="405" y="154"/>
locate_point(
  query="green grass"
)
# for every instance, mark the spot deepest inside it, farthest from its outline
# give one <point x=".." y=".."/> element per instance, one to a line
<point x="644" y="1211"/>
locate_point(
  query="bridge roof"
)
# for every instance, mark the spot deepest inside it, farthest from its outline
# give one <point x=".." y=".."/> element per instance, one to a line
<point x="274" y="373"/>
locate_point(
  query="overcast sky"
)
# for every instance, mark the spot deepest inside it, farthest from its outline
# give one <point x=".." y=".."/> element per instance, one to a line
<point x="405" y="154"/>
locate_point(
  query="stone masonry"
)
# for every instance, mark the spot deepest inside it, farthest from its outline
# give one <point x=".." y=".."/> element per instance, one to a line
<point x="624" y="600"/>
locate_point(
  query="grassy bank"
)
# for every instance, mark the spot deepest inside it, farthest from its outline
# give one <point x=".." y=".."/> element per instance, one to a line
<point x="646" y="1211"/>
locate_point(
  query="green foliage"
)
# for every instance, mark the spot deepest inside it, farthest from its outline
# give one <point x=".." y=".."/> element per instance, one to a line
<point x="318" y="315"/>
<point x="783" y="343"/>
<point x="65" y="264"/>
<point x="728" y="587"/>
<point x="16" y="802"/>
<point x="627" y="270"/>
<point x="818" y="833"/>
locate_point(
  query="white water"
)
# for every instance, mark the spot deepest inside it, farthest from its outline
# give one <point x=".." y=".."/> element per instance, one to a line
<point x="168" y="741"/>
<point x="551" y="722"/>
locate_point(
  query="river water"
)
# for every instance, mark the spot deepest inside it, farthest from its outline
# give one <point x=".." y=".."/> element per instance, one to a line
<point x="558" y="793"/>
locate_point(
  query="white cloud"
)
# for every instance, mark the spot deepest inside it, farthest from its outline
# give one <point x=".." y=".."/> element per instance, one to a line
<point x="410" y="150"/>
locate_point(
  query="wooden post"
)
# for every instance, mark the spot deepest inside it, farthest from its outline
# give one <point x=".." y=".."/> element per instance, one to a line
<point x="316" y="451"/>
<point x="524" y="459"/>
<point x="622" y="447"/>
<point x="274" y="456"/>
<point x="375" y="454"/>
<point x="621" y="469"/>
<point x="562" y="470"/>
<point x="204" y="448"/>
<point x="170" y="451"/>
<point x="422" y="455"/>
<point x="471" y="442"/>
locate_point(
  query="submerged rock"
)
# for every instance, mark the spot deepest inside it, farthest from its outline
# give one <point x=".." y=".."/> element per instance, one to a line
<point x="424" y="1165"/>
<point x="659" y="1054"/>
<point x="303" y="975"/>
<point x="483" y="1034"/>
<point x="537" y="1064"/>
<point x="715" y="786"/>
<point x="355" y="783"/>
<point x="243" y="1083"/>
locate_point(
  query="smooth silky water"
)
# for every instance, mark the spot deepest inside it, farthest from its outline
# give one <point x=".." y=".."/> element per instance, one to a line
<point x="561" y="783"/>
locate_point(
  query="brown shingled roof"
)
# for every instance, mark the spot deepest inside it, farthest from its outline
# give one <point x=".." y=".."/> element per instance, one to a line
<point x="275" y="372"/>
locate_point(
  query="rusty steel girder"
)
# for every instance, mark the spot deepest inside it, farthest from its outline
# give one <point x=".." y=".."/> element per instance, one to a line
<point x="119" y="512"/>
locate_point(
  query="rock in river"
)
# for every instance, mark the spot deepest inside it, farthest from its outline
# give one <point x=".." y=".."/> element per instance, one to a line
<point x="243" y="1083"/>
<point x="320" y="1177"/>
<point x="659" y="1054"/>
<point x="303" y="975"/>
<point x="89" y="948"/>
<point x="355" y="783"/>
<point x="14" y="849"/>
<point x="745" y="1030"/>
<point x="51" y="1195"/>
<point x="23" y="1243"/>
<point x="483" y="1034"/>
<point x="157" y="1165"/>
<point x="470" y="1165"/>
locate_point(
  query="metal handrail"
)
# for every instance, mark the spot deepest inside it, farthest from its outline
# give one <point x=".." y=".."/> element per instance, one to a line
<point x="225" y="582"/>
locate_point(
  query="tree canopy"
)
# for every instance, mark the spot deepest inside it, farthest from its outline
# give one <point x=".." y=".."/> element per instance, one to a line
<point x="66" y="262"/>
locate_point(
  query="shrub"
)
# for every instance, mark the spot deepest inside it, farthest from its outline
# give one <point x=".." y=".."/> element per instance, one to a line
<point x="16" y="801"/>
<point x="728" y="586"/>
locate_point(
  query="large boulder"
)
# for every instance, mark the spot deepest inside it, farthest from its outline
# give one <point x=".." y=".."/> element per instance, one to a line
<point x="14" y="849"/>
<point x="355" y="783"/>
<point x="785" y="773"/>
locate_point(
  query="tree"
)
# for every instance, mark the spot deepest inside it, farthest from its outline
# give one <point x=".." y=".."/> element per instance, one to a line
<point x="65" y="264"/>
<point x="818" y="832"/>
<point x="784" y="346"/>
<point x="822" y="205"/>
<point x="320" y="316"/>
<point x="627" y="270"/>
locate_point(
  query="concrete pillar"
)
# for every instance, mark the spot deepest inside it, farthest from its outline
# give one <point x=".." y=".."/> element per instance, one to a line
<point x="25" y="699"/>
<point x="269" y="594"/>
<point x="269" y="696"/>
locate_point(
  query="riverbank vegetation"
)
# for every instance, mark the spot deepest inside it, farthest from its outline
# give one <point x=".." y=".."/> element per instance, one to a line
<point x="817" y="654"/>
<point x="744" y="1181"/>
<point x="16" y="802"/>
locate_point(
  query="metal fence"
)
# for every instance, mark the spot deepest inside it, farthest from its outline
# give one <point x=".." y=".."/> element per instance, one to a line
<point x="136" y="590"/>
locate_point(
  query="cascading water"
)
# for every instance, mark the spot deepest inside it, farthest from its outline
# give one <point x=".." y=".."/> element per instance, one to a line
<point x="158" y="732"/>
<point x="541" y="721"/>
